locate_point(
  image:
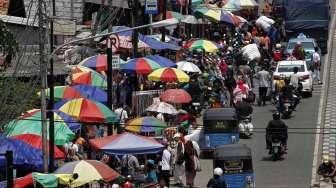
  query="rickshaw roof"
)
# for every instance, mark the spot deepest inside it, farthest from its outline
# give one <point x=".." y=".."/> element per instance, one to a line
<point x="232" y="151"/>
<point x="220" y="114"/>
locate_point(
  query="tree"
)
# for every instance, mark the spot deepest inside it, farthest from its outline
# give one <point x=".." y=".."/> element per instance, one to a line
<point x="8" y="45"/>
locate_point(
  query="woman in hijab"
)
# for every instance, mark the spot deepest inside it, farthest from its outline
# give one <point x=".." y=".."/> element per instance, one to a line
<point x="190" y="166"/>
<point x="241" y="91"/>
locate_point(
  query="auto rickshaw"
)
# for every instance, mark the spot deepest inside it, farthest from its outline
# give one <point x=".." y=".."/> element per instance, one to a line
<point x="236" y="162"/>
<point x="220" y="127"/>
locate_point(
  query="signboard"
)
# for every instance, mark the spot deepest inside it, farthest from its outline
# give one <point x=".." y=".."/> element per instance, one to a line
<point x="64" y="27"/>
<point x="151" y="7"/>
<point x="115" y="61"/>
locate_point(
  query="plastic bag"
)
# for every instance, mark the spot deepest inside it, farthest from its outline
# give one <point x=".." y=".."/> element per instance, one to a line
<point x="251" y="52"/>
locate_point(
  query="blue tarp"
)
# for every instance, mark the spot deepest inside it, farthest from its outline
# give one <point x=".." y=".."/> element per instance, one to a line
<point x="151" y="42"/>
<point x="127" y="143"/>
<point x="299" y="15"/>
<point x="23" y="154"/>
<point x="164" y="62"/>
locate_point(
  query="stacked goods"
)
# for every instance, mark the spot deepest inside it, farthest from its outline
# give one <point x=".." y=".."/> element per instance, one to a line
<point x="251" y="52"/>
<point x="264" y="22"/>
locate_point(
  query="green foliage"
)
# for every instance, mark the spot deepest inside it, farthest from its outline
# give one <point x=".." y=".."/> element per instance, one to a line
<point x="8" y="43"/>
<point x="17" y="97"/>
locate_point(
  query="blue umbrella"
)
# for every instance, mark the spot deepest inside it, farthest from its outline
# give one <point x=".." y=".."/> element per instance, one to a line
<point x="24" y="155"/>
<point x="164" y="62"/>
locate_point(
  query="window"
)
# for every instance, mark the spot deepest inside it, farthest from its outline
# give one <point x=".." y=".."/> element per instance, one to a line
<point x="289" y="68"/>
<point x="306" y="45"/>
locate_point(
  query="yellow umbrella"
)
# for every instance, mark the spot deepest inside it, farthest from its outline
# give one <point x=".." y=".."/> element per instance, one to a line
<point x="169" y="75"/>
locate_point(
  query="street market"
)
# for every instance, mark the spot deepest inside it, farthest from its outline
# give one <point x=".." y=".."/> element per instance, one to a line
<point x="149" y="104"/>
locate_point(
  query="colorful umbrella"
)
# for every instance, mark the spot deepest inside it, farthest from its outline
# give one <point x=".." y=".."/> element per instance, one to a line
<point x="213" y="15"/>
<point x="230" y="18"/>
<point x="79" y="69"/>
<point x="97" y="62"/>
<point x="24" y="155"/>
<point x="89" y="78"/>
<point x="36" y="142"/>
<point x="206" y="45"/>
<point x="162" y="61"/>
<point x="88" y="111"/>
<point x="172" y="14"/>
<point x="79" y="91"/>
<point x="188" y="66"/>
<point x="176" y="96"/>
<point x="147" y="124"/>
<point x="126" y="143"/>
<point x="162" y="107"/>
<point x="88" y="171"/>
<point x="168" y="75"/>
<point x="140" y="65"/>
<point x="30" y="123"/>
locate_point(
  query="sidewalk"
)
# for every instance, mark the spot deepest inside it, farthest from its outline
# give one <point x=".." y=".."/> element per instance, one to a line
<point x="328" y="113"/>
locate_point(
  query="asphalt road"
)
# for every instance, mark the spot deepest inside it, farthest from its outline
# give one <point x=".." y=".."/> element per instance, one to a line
<point x="295" y="170"/>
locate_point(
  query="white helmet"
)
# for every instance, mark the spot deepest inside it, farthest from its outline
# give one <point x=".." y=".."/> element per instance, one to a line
<point x="218" y="171"/>
<point x="115" y="186"/>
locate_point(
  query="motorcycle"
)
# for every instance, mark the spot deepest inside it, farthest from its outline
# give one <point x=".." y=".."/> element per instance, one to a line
<point x="277" y="149"/>
<point x="286" y="109"/>
<point x="246" y="127"/>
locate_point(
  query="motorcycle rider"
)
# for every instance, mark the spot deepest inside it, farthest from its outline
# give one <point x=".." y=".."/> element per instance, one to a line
<point x="286" y="94"/>
<point x="243" y="109"/>
<point x="276" y="128"/>
<point x="216" y="181"/>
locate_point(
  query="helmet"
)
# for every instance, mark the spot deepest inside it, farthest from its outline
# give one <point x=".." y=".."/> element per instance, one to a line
<point x="278" y="46"/>
<point x="298" y="43"/>
<point x="218" y="171"/>
<point x="325" y="158"/>
<point x="115" y="186"/>
<point x="276" y="116"/>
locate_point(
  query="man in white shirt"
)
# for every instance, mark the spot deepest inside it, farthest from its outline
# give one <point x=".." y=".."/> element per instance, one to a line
<point x="122" y="114"/>
<point x="294" y="78"/>
<point x="165" y="166"/>
<point x="316" y="60"/>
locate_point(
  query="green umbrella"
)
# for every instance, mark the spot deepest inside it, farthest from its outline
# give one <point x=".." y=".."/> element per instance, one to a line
<point x="30" y="123"/>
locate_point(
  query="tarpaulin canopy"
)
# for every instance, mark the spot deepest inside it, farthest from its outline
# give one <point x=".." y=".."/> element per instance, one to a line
<point x="21" y="182"/>
<point x="23" y="154"/>
<point x="151" y="42"/>
<point x="126" y="143"/>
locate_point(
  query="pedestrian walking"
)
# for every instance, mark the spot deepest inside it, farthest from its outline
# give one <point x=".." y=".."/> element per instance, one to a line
<point x="316" y="59"/>
<point x="179" y="161"/>
<point x="190" y="166"/>
<point x="264" y="79"/>
<point x="165" y="166"/>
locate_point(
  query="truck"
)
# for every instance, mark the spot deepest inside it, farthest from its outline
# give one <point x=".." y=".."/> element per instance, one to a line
<point x="310" y="17"/>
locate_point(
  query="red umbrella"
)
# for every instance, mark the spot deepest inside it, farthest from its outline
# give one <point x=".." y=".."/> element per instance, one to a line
<point x="36" y="142"/>
<point x="176" y="96"/>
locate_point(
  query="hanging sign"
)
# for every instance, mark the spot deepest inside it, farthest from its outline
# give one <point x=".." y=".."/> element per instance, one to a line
<point x="151" y="7"/>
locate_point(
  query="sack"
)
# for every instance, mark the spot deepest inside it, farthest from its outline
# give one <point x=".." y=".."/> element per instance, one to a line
<point x="251" y="52"/>
<point x="197" y="164"/>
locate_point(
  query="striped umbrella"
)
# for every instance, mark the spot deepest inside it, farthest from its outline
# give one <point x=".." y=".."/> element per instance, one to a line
<point x="162" y="107"/>
<point x="88" y="111"/>
<point x="97" y="62"/>
<point x="30" y="123"/>
<point x="140" y="65"/>
<point x="230" y="18"/>
<point x="92" y="78"/>
<point x="169" y="75"/>
<point x="36" y="142"/>
<point x="146" y="124"/>
<point x="88" y="171"/>
<point x="206" y="45"/>
<point x="172" y="14"/>
<point x="79" y="91"/>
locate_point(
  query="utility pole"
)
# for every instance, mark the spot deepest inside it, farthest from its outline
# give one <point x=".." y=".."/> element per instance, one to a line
<point x="135" y="34"/>
<point x="43" y="74"/>
<point x="109" y="74"/>
<point x="164" y="16"/>
<point x="51" y="95"/>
